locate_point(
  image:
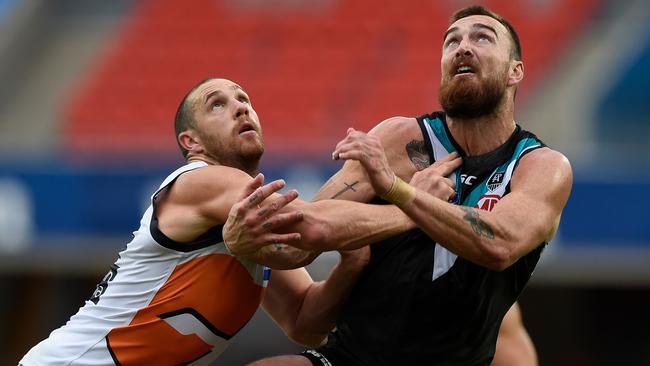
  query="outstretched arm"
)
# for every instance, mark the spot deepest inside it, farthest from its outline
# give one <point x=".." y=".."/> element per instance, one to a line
<point x="522" y="220"/>
<point x="405" y="151"/>
<point x="323" y="225"/>
<point x="201" y="199"/>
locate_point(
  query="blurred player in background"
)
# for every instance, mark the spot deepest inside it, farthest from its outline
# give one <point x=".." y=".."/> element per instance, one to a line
<point x="176" y="295"/>
<point x="514" y="346"/>
<point x="437" y="295"/>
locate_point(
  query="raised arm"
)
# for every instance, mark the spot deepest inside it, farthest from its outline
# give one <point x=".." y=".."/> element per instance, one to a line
<point x="202" y="199"/>
<point x="405" y="152"/>
<point x="324" y="225"/>
<point x="522" y="220"/>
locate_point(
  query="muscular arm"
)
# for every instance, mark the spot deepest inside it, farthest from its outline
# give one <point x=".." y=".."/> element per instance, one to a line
<point x="406" y="154"/>
<point x="307" y="310"/>
<point x="522" y="220"/>
<point x="514" y="346"/>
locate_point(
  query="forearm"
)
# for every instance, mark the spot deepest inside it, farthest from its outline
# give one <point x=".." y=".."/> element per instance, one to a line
<point x="348" y="184"/>
<point x="470" y="233"/>
<point x="345" y="225"/>
<point x="322" y="302"/>
<point x="282" y="256"/>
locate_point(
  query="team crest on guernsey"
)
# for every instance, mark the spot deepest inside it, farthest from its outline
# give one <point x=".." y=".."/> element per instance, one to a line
<point x="487" y="202"/>
<point x="495" y="181"/>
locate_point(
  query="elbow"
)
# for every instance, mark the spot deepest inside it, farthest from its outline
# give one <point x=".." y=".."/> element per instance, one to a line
<point x="499" y="258"/>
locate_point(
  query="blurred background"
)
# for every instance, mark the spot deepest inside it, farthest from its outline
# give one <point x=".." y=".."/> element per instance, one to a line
<point x="89" y="88"/>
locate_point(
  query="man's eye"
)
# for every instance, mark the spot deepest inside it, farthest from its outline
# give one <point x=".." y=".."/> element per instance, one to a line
<point x="245" y="100"/>
<point x="217" y="105"/>
<point x="452" y="42"/>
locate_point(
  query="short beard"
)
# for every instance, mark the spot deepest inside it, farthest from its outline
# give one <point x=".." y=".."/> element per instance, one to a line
<point x="247" y="160"/>
<point x="462" y="100"/>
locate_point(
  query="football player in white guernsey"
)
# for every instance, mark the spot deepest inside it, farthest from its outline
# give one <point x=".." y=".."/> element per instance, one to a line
<point x="176" y="294"/>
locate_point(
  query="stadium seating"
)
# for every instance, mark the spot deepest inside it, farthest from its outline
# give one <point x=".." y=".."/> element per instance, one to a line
<point x="351" y="63"/>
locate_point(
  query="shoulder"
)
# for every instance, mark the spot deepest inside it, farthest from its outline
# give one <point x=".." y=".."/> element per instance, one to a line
<point x="545" y="167"/>
<point x="395" y="124"/>
<point x="546" y="159"/>
<point x="205" y="182"/>
<point x="397" y="131"/>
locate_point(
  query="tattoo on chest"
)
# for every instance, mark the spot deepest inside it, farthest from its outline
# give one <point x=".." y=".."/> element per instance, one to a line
<point x="417" y="152"/>
<point x="348" y="187"/>
<point x="480" y="227"/>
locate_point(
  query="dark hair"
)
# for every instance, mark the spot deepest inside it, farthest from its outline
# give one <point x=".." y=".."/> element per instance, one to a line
<point x="515" y="52"/>
<point x="184" y="119"/>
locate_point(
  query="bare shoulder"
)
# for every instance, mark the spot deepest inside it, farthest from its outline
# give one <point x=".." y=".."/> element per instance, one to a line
<point x="544" y="167"/>
<point x="404" y="144"/>
<point x="204" y="183"/>
<point x="547" y="161"/>
<point x="395" y="128"/>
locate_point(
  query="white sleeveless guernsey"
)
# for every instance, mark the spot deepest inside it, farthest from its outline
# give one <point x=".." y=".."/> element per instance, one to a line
<point x="162" y="303"/>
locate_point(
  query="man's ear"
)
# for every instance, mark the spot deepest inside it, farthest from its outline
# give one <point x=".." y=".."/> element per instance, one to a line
<point x="516" y="72"/>
<point x="190" y="141"/>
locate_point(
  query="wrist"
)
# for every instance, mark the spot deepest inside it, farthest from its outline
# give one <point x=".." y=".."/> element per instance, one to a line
<point x="400" y="193"/>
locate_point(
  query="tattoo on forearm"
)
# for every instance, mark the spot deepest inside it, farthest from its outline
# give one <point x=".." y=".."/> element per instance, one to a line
<point x="348" y="187"/>
<point x="480" y="227"/>
<point x="417" y="152"/>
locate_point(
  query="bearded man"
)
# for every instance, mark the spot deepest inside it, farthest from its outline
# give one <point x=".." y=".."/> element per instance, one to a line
<point x="436" y="295"/>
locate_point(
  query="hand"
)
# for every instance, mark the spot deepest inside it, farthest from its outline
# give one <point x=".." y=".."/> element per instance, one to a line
<point x="367" y="149"/>
<point x="434" y="179"/>
<point x="252" y="218"/>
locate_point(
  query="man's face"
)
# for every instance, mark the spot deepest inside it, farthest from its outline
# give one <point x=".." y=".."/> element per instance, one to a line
<point x="475" y="67"/>
<point x="227" y="124"/>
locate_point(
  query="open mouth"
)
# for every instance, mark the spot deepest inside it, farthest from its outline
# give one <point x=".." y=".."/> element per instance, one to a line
<point x="464" y="70"/>
<point x="246" y="127"/>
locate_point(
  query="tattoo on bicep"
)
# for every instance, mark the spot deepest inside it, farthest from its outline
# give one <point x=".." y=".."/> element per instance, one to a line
<point x="480" y="227"/>
<point x="417" y="152"/>
<point x="348" y="187"/>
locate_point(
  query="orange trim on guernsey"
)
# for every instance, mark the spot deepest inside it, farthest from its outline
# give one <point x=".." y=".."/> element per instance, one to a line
<point x="216" y="286"/>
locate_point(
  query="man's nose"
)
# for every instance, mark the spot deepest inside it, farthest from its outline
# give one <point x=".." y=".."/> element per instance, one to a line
<point x="464" y="48"/>
<point x="241" y="109"/>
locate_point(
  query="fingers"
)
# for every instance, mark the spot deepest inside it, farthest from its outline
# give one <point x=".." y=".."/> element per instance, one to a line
<point x="283" y="238"/>
<point x="448" y="164"/>
<point x="352" y="141"/>
<point x="281" y="220"/>
<point x="449" y="157"/>
<point x="262" y="193"/>
<point x="251" y="186"/>
<point x="270" y="208"/>
<point x="450" y="182"/>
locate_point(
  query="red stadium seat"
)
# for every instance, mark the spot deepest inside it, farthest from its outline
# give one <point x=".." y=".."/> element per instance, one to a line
<point x="310" y="74"/>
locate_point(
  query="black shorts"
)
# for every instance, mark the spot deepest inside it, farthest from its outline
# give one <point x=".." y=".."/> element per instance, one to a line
<point x="330" y="356"/>
<point x="316" y="358"/>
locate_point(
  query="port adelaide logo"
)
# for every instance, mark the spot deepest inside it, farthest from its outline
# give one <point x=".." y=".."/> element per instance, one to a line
<point x="495" y="181"/>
